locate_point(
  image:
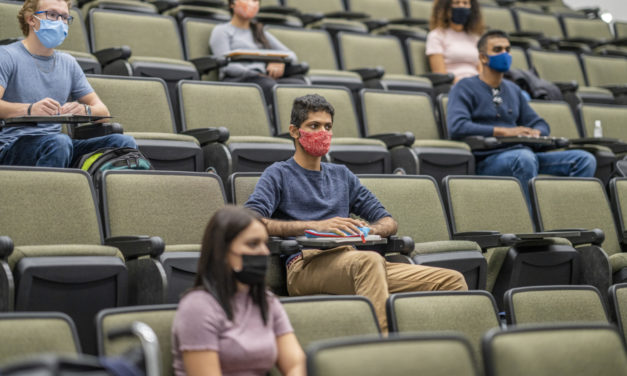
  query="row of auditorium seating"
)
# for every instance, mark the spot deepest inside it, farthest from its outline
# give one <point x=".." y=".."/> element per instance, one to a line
<point x="66" y="255"/>
<point x="472" y="316"/>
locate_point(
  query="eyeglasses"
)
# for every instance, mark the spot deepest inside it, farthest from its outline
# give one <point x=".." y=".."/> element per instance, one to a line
<point x="51" y="15"/>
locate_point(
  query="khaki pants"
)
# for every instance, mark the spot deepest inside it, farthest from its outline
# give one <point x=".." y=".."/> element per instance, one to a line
<point x="345" y="270"/>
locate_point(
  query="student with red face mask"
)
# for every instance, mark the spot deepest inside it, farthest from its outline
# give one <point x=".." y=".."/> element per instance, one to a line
<point x="303" y="193"/>
<point x="244" y="33"/>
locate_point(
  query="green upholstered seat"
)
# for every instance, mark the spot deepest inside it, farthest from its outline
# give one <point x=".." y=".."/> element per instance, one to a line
<point x="618" y="304"/>
<point x="471" y="313"/>
<point x="397" y="356"/>
<point x="158" y="317"/>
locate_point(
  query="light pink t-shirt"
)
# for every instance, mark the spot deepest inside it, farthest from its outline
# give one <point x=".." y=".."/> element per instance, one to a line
<point x="245" y="346"/>
<point x="459" y="48"/>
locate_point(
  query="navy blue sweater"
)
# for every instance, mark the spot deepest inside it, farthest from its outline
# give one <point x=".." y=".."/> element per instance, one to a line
<point x="472" y="112"/>
<point x="289" y="192"/>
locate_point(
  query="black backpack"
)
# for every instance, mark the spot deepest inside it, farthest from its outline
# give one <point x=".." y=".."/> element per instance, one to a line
<point x="534" y="85"/>
<point x="112" y="159"/>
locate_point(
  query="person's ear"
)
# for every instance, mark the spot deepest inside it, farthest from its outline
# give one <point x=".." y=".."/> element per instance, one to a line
<point x="294" y="131"/>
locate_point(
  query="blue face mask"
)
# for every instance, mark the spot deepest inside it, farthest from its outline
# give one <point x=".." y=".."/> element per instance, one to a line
<point x="460" y="15"/>
<point x="501" y="62"/>
<point x="51" y="33"/>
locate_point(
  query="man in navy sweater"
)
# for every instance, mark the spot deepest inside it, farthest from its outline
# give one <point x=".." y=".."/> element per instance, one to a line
<point x="486" y="105"/>
<point x="303" y="193"/>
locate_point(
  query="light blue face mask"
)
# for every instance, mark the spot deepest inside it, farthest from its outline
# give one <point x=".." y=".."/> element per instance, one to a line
<point x="51" y="33"/>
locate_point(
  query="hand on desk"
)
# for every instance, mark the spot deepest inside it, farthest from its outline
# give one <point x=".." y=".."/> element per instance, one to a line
<point x="45" y="107"/>
<point x="339" y="225"/>
<point x="516" y="131"/>
<point x="73" y="108"/>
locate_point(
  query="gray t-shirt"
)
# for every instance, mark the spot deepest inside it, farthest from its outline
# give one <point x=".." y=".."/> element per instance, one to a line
<point x="245" y="346"/>
<point x="227" y="37"/>
<point x="28" y="78"/>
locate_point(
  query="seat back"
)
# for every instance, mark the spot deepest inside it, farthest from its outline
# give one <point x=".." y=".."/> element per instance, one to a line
<point x="471" y="313"/>
<point x="576" y="350"/>
<point x="620" y="29"/>
<point x="344" y="316"/>
<point x="420" y="9"/>
<point x="318" y="6"/>
<point x="242" y="185"/>
<point x="603" y="70"/>
<point x="557" y="66"/>
<point x="196" y="34"/>
<point x="385" y="112"/>
<point x="487" y="204"/>
<point x="76" y="40"/>
<point x="579" y="27"/>
<point x="9" y="25"/>
<point x="418" y="56"/>
<point x="414" y="201"/>
<point x="386" y="9"/>
<point x="559" y="117"/>
<point x="618" y="192"/>
<point x="48" y="206"/>
<point x="158" y="317"/>
<point x="148" y="35"/>
<point x="345" y="120"/>
<point x="618" y="302"/>
<point x="538" y="22"/>
<point x="310" y="45"/>
<point x="398" y="356"/>
<point x="179" y="204"/>
<point x="612" y="120"/>
<point x="562" y="203"/>
<point x="239" y="107"/>
<point x="554" y="304"/>
<point x="519" y="58"/>
<point x="152" y="114"/>
<point x="28" y="333"/>
<point x="371" y="51"/>
<point x="498" y="18"/>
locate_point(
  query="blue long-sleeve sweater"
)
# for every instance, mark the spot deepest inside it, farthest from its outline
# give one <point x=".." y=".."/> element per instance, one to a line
<point x="471" y="111"/>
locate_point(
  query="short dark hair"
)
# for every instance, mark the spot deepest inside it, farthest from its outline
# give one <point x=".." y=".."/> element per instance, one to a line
<point x="489" y="35"/>
<point x="214" y="274"/>
<point x="309" y="103"/>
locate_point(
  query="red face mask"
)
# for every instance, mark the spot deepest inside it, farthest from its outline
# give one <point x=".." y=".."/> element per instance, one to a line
<point x="246" y="9"/>
<point x="315" y="143"/>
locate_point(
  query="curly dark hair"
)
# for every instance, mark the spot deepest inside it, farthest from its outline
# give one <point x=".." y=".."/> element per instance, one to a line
<point x="309" y="103"/>
<point x="440" y="16"/>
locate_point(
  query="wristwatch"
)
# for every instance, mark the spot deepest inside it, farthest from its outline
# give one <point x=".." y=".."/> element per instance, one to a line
<point x="87" y="109"/>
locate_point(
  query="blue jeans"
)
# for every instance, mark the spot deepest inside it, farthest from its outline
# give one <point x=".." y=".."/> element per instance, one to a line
<point x="58" y="150"/>
<point x="524" y="164"/>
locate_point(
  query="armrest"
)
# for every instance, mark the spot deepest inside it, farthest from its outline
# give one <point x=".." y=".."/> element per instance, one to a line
<point x="296" y="69"/>
<point x="204" y="3"/>
<point x="208" y="135"/>
<point x="439" y="78"/>
<point x="9" y="41"/>
<point x="565" y="87"/>
<point x="205" y="64"/>
<point x="395" y="139"/>
<point x="163" y="5"/>
<point x="618" y="42"/>
<point x="373" y="24"/>
<point x="136" y="246"/>
<point x="573" y="46"/>
<point x="485" y="239"/>
<point x="109" y="55"/>
<point x="347" y="15"/>
<point x="288" y="11"/>
<point x="369" y="73"/>
<point x="589" y="41"/>
<point x="91" y="130"/>
<point x="279" y="246"/>
<point x="309" y="18"/>
<point x="6" y="247"/>
<point x="395" y="244"/>
<point x="481" y="143"/>
<point x="616" y="89"/>
<point x="410" y="21"/>
<point x="582" y="236"/>
<point x="527" y="34"/>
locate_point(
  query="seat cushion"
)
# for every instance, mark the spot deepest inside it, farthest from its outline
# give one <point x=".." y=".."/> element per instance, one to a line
<point x="62" y="250"/>
<point x="183" y="248"/>
<point x="618" y="261"/>
<point x="441" y="144"/>
<point x="357" y="141"/>
<point x="258" y="140"/>
<point x="445" y="246"/>
<point x="162" y="136"/>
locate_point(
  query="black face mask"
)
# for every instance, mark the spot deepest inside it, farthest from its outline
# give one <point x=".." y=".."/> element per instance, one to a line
<point x="460" y="15"/>
<point x="254" y="269"/>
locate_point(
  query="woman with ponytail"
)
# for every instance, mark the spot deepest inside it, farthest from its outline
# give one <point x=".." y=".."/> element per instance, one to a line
<point x="244" y="33"/>
<point x="229" y="323"/>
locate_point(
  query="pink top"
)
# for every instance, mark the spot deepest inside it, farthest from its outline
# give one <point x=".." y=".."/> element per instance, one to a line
<point x="459" y="48"/>
<point x="245" y="346"/>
